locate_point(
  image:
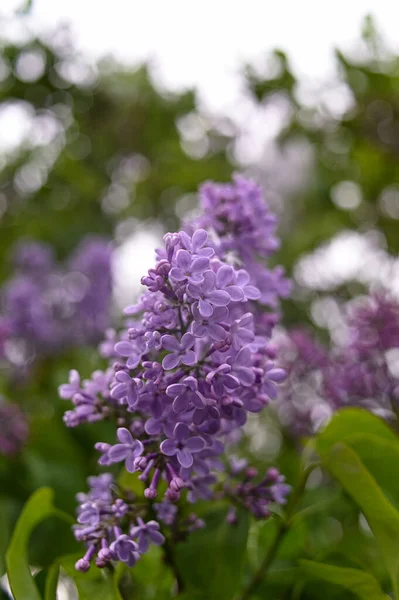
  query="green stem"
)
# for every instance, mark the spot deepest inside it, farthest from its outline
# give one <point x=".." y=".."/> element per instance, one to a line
<point x="283" y="528"/>
<point x="170" y="560"/>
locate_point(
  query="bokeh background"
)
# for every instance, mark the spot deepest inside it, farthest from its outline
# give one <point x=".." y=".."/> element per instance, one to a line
<point x="112" y="115"/>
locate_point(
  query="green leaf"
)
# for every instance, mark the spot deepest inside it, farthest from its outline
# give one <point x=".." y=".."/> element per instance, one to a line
<point x="50" y="591"/>
<point x="96" y="584"/>
<point x="381" y="458"/>
<point x="211" y="560"/>
<point x="351" y="421"/>
<point x="38" y="507"/>
<point x="364" y="585"/>
<point x="346" y="466"/>
<point x="5" y="518"/>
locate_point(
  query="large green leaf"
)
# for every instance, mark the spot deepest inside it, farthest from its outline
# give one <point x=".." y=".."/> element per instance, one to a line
<point x="349" y="422"/>
<point x="364" y="585"/>
<point x="211" y="560"/>
<point x="346" y="466"/>
<point x="39" y="507"/>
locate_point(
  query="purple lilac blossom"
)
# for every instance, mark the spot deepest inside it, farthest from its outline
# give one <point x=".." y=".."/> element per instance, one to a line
<point x="192" y="362"/>
<point x="359" y="372"/>
<point x="47" y="306"/>
<point x="13" y="429"/>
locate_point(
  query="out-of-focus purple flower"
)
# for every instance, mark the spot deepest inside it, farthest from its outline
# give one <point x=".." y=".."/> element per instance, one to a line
<point x="125" y="550"/>
<point x="147" y="533"/>
<point x="13" y="429"/>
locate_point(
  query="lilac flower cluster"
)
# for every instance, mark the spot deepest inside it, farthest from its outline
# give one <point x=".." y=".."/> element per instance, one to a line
<point x="193" y="361"/>
<point x="13" y="429"/>
<point x="47" y="307"/>
<point x="363" y="371"/>
<point x="101" y="515"/>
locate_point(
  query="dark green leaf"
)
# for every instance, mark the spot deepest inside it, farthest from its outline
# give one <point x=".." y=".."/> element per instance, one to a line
<point x="38" y="508"/>
<point x="360" y="583"/>
<point x="382" y="517"/>
<point x="211" y="560"/>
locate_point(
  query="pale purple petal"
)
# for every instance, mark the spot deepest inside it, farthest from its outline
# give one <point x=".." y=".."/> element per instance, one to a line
<point x="209" y="282"/>
<point x="177" y="274"/>
<point x="170" y="361"/>
<point x="245" y="375"/>
<point x="170" y="343"/>
<point x="200" y="265"/>
<point x="118" y="452"/>
<point x="176" y="388"/>
<point x="184" y="457"/>
<point x="181" y="432"/>
<point x="252" y="292"/>
<point x="219" y="298"/>
<point x="195" y="444"/>
<point x="187" y="341"/>
<point x="156" y="537"/>
<point x="216" y="332"/>
<point x="236" y="293"/>
<point x="189" y="358"/>
<point x="124" y="348"/>
<point x="224" y="276"/>
<point x="124" y="435"/>
<point x="168" y="447"/>
<point x="242" y="277"/>
<point x="205" y="308"/>
<point x="183" y="260"/>
<point x="200" y="237"/>
<point x="181" y="403"/>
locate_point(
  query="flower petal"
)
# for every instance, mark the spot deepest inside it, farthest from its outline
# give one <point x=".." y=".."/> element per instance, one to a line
<point x="185" y="459"/>
<point x="168" y="447"/>
<point x="219" y="298"/>
<point x="205" y="308"/>
<point x="195" y="444"/>
<point x="200" y="237"/>
<point x="124" y="435"/>
<point x="170" y="343"/>
<point x="181" y="432"/>
<point x="170" y="361"/>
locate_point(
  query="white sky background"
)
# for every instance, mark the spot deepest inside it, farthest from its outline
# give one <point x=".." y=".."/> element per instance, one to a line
<point x="203" y="44"/>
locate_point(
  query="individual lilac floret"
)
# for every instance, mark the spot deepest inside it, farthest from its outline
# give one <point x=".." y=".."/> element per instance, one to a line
<point x="147" y="533"/>
<point x="182" y="445"/>
<point x="208" y="297"/>
<point x="128" y="449"/>
<point x="125" y="550"/>
<point x="181" y="351"/>
<point x="188" y="268"/>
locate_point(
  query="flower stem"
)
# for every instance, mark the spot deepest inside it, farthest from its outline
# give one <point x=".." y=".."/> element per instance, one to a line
<point x="283" y="528"/>
<point x="170" y="560"/>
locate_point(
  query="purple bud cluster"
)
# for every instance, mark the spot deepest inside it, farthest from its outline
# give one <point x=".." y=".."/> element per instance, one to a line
<point x="13" y="429"/>
<point x="103" y="516"/>
<point x="192" y="362"/>
<point x="363" y="371"/>
<point x="255" y="493"/>
<point x="47" y="306"/>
